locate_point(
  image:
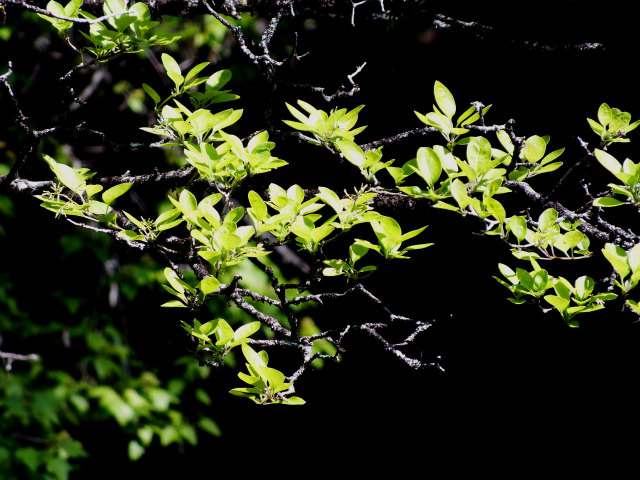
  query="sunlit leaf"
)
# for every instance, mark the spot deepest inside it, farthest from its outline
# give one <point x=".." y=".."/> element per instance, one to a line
<point x="444" y="99"/>
<point x="209" y="285"/>
<point x="110" y="195"/>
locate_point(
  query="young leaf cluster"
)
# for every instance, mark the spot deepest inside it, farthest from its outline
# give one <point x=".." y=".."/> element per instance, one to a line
<point x="224" y="337"/>
<point x="441" y="118"/>
<point x="569" y="300"/>
<point x="326" y="128"/>
<point x="291" y="208"/>
<point x="336" y="131"/>
<point x="125" y="29"/>
<point x="148" y="230"/>
<point x="613" y="125"/>
<point x="73" y="196"/>
<point x="546" y="236"/>
<point x="628" y="173"/>
<point x="217" y="156"/>
<point x="267" y="385"/>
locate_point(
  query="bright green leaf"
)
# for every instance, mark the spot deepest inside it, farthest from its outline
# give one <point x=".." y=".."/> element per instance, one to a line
<point x="209" y="285"/>
<point x="110" y="195"/>
<point x="444" y="99"/>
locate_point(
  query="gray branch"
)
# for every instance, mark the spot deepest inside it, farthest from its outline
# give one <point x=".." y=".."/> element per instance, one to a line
<point x="9" y="358"/>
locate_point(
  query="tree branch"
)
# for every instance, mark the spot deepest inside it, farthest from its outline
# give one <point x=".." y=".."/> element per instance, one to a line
<point x="172" y="178"/>
<point x="485" y="32"/>
<point x="9" y="358"/>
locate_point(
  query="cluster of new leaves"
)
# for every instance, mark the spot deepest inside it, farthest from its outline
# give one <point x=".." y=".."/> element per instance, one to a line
<point x="326" y="127"/>
<point x="78" y="198"/>
<point x="122" y="28"/>
<point x="266" y="383"/>
<point x="569" y="300"/>
<point x="218" y="157"/>
<point x="294" y="215"/>
<point x="73" y="196"/>
<point x="471" y="184"/>
<point x="336" y="130"/>
<point x="441" y="118"/>
<point x="225" y="337"/>
<point x="628" y="173"/>
<point x="613" y="125"/>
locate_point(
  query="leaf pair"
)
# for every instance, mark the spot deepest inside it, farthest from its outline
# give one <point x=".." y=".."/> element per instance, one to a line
<point x="523" y="283"/>
<point x="290" y="205"/>
<point x="187" y="294"/>
<point x="351" y="211"/>
<point x="148" y="230"/>
<point x="548" y="232"/>
<point x="81" y="201"/>
<point x="131" y="29"/>
<point x="533" y="154"/>
<point x="390" y="238"/>
<point x="178" y="288"/>
<point x="441" y="118"/>
<point x="184" y="83"/>
<point x="368" y="162"/>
